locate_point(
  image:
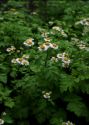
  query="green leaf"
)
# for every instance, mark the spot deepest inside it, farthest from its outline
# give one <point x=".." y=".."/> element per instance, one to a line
<point x="67" y="83"/>
<point x="9" y="103"/>
<point x="3" y="78"/>
<point x="8" y="119"/>
<point x="78" y="107"/>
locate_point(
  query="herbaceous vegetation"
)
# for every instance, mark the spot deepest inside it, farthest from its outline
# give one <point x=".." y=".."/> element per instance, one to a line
<point x="44" y="62"/>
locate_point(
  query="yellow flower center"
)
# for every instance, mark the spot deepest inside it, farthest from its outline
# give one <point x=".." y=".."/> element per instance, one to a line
<point x="42" y="46"/>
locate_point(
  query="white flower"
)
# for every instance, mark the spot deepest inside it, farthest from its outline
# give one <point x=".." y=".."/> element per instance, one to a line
<point x="1" y="121"/>
<point x="43" y="47"/>
<point x="59" y="56"/>
<point x="64" y="58"/>
<point x="11" y="49"/>
<point x="84" y="22"/>
<point x="22" y="61"/>
<point x="54" y="46"/>
<point x="65" y="54"/>
<point x="62" y="55"/>
<point x="65" y="62"/>
<point x="57" y="28"/>
<point x="29" y="42"/>
<point x="46" y="95"/>
<point x="13" y="61"/>
<point x="54" y="59"/>
<point x="25" y="62"/>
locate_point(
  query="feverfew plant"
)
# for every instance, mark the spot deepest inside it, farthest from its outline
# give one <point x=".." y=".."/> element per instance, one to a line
<point x="44" y="70"/>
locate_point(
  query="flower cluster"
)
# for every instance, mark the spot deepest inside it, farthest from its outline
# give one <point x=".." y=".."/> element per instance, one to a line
<point x="67" y="123"/>
<point x="84" y="22"/>
<point x="22" y="61"/>
<point x="11" y="49"/>
<point x="47" y="95"/>
<point x="29" y="42"/>
<point x="80" y="44"/>
<point x="57" y="28"/>
<point x="45" y="46"/>
<point x="1" y="121"/>
<point x="64" y="57"/>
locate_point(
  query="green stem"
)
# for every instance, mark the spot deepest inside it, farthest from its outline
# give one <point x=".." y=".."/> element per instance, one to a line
<point x="46" y="58"/>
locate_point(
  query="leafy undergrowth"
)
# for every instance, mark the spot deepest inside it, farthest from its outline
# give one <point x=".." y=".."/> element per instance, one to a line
<point x="44" y="70"/>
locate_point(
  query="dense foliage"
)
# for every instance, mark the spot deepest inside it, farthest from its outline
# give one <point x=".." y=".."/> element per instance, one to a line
<point x="44" y="62"/>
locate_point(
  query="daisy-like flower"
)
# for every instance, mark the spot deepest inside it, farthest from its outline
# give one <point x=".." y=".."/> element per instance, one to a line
<point x="25" y="62"/>
<point x="29" y="42"/>
<point x="64" y="58"/>
<point x="66" y="64"/>
<point x="54" y="46"/>
<point x="1" y="121"/>
<point x="57" y="28"/>
<point x="59" y="56"/>
<point x="11" y="49"/>
<point x="47" y="95"/>
<point x="62" y="55"/>
<point x="54" y="59"/>
<point x="43" y="47"/>
<point x="22" y="61"/>
<point x="65" y="61"/>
